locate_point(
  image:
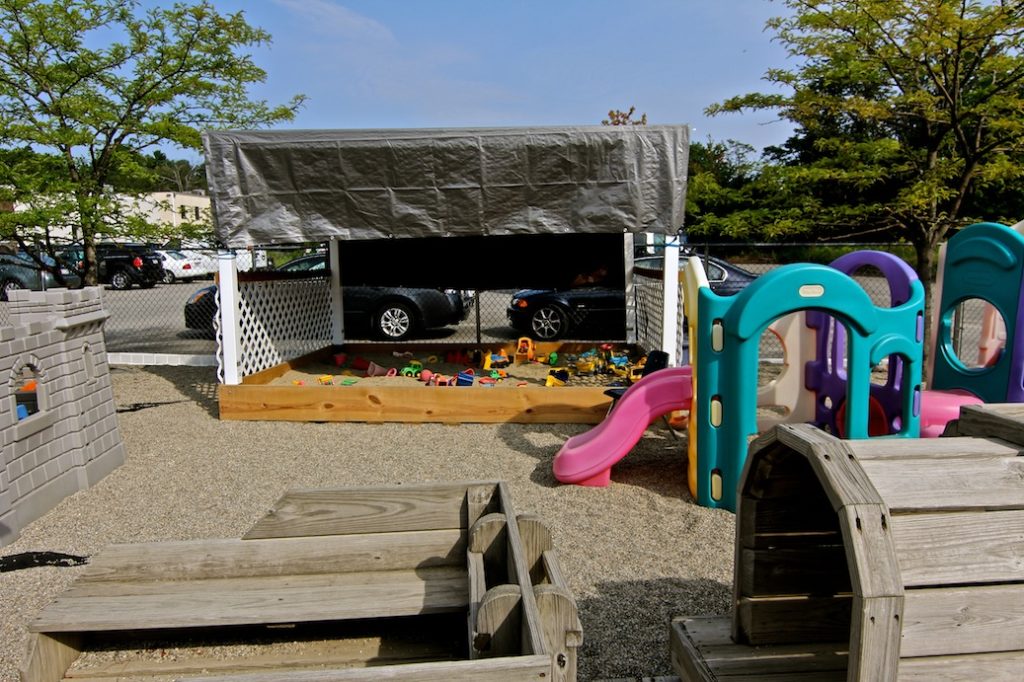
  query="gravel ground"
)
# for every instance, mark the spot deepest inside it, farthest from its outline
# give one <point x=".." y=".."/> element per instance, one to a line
<point x="636" y="553"/>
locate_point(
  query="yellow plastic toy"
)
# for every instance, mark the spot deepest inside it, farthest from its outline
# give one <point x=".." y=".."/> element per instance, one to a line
<point x="524" y="350"/>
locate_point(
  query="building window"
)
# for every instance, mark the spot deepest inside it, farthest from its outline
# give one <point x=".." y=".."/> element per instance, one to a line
<point x="184" y="212"/>
<point x="197" y="212"/>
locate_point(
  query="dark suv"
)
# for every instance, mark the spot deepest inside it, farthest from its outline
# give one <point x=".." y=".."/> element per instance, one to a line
<point x="121" y="265"/>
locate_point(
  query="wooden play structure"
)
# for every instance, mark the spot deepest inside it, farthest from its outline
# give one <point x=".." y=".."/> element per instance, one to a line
<point x="438" y="581"/>
<point x="873" y="560"/>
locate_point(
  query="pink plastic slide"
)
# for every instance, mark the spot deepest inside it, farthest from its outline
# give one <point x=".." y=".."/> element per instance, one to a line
<point x="587" y="459"/>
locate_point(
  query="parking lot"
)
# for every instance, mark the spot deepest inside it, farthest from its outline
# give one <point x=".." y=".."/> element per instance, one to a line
<point x="152" y="321"/>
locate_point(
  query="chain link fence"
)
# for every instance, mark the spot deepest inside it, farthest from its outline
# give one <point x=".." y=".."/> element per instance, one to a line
<point x="150" y="326"/>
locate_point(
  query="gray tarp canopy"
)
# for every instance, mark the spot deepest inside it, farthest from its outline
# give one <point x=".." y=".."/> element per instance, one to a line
<point x="294" y="186"/>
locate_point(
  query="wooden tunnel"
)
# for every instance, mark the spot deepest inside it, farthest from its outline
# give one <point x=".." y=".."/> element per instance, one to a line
<point x="414" y="582"/>
<point x="882" y="559"/>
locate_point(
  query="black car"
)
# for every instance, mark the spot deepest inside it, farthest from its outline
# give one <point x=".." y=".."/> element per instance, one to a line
<point x="600" y="311"/>
<point x="388" y="313"/>
<point x="122" y="266"/>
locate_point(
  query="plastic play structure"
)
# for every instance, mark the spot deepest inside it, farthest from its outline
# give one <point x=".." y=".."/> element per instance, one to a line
<point x="833" y="336"/>
<point x="724" y="413"/>
<point x="587" y="458"/>
<point x="984" y="261"/>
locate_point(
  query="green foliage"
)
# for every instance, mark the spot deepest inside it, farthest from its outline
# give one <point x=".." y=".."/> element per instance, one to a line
<point x="88" y="86"/>
<point x="907" y="116"/>
<point x="624" y="118"/>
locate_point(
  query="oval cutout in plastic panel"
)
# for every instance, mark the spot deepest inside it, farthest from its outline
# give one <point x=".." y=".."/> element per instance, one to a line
<point x="811" y="291"/>
<point x="716" y="485"/>
<point x="716" y="411"/>
<point x="717" y="336"/>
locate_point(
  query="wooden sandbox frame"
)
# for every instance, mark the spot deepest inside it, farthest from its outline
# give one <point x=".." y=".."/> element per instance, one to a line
<point x="256" y="399"/>
<point x="324" y="556"/>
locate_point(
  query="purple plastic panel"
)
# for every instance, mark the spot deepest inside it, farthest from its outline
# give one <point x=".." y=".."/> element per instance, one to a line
<point x="826" y="375"/>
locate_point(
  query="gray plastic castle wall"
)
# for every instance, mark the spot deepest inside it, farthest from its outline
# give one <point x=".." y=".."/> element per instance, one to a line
<point x="73" y="440"/>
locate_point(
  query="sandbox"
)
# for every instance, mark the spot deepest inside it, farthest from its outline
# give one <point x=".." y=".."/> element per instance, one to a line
<point x="348" y="395"/>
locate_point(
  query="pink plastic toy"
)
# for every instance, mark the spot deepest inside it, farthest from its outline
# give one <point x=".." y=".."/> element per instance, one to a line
<point x="587" y="459"/>
<point x="940" y="407"/>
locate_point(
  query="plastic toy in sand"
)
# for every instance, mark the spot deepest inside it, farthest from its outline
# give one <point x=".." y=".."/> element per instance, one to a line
<point x="524" y="350"/>
<point x="375" y="370"/>
<point x="557" y="377"/>
<point x="413" y="369"/>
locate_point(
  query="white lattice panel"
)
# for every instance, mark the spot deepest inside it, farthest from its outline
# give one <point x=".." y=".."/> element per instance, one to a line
<point x="282" y="321"/>
<point x="647" y="291"/>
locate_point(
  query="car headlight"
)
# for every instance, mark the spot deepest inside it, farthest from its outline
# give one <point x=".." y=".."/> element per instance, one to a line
<point x="520" y="303"/>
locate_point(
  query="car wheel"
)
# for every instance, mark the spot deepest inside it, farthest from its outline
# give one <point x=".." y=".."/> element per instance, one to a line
<point x="9" y="285"/>
<point x="168" y="277"/>
<point x="549" y="323"/>
<point x="394" y="322"/>
<point x="120" y="280"/>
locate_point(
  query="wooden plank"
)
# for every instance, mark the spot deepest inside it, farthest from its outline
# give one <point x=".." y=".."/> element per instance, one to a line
<point x="477" y="590"/>
<point x="788" y="620"/>
<point x="813" y="569"/>
<point x="561" y="628"/>
<point x="1005" y="421"/>
<point x="837" y="470"/>
<point x="875" y="638"/>
<point x="878" y="591"/>
<point x="200" y="559"/>
<point x="414" y="404"/>
<point x="341" y="511"/>
<point x="959" y="547"/>
<point x="489" y="538"/>
<point x="788" y="521"/>
<point x="553" y="569"/>
<point x="241" y="601"/>
<point x="480" y="500"/>
<point x="702" y="650"/>
<point x="961" y="620"/>
<point x="519" y="573"/>
<point x="499" y="623"/>
<point x="931" y="448"/>
<point x="536" y="539"/>
<point x="954" y="484"/>
<point x="1001" y="667"/>
<point x="49" y="656"/>
<point x="509" y="669"/>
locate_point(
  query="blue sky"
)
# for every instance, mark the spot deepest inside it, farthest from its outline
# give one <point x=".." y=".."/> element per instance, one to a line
<point x="414" y="63"/>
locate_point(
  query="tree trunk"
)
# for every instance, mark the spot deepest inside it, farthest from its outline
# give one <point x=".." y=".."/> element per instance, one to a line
<point x="924" y="250"/>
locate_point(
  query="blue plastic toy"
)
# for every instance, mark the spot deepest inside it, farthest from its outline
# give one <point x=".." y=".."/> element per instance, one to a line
<point x="984" y="261"/>
<point x="724" y="414"/>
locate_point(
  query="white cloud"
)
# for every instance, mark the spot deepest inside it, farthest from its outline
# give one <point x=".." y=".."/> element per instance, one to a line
<point x="337" y="20"/>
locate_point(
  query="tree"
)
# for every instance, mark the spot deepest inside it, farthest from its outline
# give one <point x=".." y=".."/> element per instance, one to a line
<point x="903" y="109"/>
<point x="624" y="118"/>
<point x="87" y="86"/>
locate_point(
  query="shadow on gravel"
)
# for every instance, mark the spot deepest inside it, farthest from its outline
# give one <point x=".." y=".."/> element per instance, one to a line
<point x="645" y="608"/>
<point x="198" y="384"/>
